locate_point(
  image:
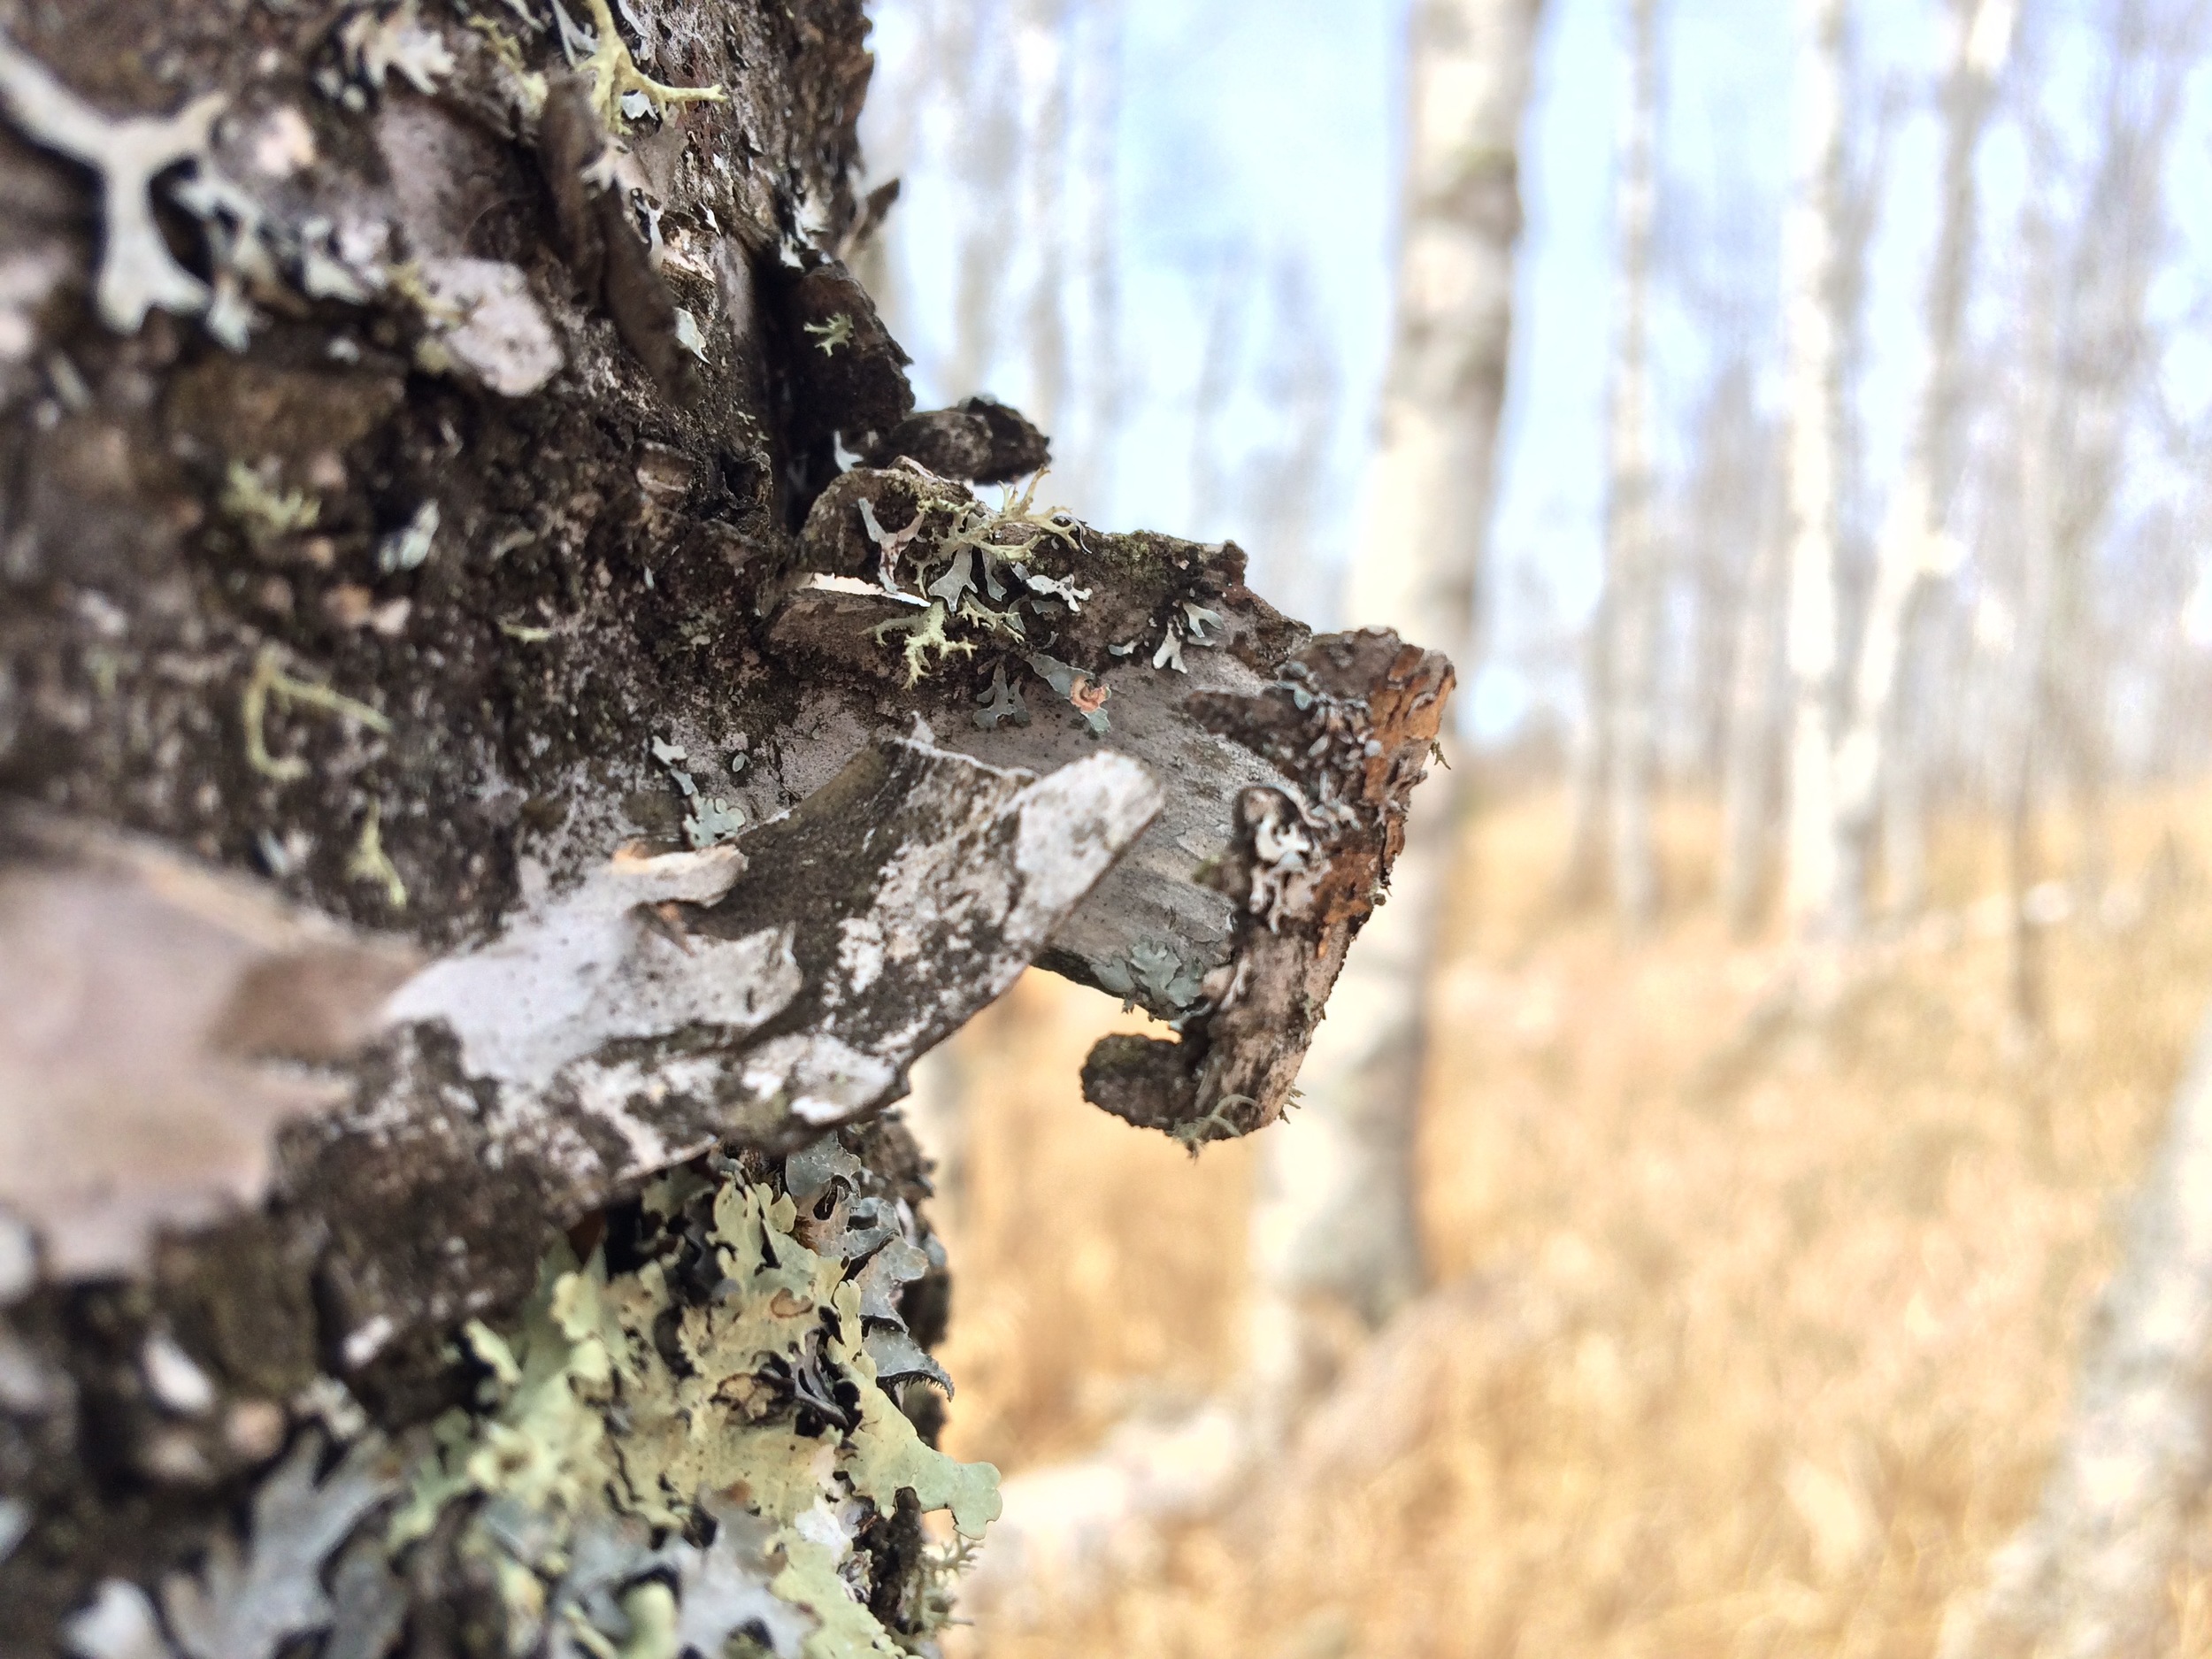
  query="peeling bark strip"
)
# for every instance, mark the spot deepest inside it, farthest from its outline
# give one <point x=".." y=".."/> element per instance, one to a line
<point x="466" y="744"/>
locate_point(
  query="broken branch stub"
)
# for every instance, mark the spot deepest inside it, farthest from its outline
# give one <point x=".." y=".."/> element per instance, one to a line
<point x="1286" y="761"/>
<point x="1349" y="724"/>
<point x="666" y="1005"/>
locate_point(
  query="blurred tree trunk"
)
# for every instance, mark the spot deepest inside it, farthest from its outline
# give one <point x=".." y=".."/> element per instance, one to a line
<point x="1813" y="394"/>
<point x="2090" y="348"/>
<point x="1335" y="1245"/>
<point x="2090" y="1575"/>
<point x="1632" y="545"/>
<point x="1590" y="763"/>
<point x="1914" y="546"/>
<point x="1904" y="789"/>
<point x="1747" y="779"/>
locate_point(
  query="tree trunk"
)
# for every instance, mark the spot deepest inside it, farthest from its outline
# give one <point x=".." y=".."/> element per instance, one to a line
<point x="1814" y="396"/>
<point x="1582" y="873"/>
<point x="2089" y="1575"/>
<point x="1915" y="549"/>
<point x="491" y="809"/>
<point x="1631" y="550"/>
<point x="1747" y="781"/>
<point x="1335" y="1241"/>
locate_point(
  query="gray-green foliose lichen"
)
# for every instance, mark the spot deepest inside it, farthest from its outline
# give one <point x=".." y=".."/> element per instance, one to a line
<point x="701" y="1448"/>
<point x="1014" y="587"/>
<point x="735" y="1371"/>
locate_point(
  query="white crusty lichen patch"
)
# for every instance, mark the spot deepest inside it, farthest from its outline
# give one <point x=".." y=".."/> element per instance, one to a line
<point x="729" y="1384"/>
<point x="951" y="921"/>
<point x="590" y="967"/>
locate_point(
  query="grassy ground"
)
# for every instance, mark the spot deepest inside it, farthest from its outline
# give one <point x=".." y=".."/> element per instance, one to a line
<point x="1746" y="1345"/>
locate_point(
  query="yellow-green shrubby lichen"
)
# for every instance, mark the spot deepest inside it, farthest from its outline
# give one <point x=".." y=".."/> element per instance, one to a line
<point x="924" y="633"/>
<point x="726" y="1371"/>
<point x="976" y="579"/>
<point x="269" y="679"/>
<point x="830" y="336"/>
<point x="265" y="513"/>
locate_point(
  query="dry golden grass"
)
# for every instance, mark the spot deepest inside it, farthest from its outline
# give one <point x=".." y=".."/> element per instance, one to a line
<point x="1747" y="1346"/>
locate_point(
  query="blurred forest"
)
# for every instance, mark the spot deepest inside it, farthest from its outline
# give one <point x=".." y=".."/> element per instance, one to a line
<point x="1801" y="1164"/>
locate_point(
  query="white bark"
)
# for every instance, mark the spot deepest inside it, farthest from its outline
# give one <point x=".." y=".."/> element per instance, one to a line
<point x="1914" y="550"/>
<point x="1748" y="771"/>
<point x="2088" y="1575"/>
<point x="2089" y="351"/>
<point x="1631" y="551"/>
<point x="1334" y="1243"/>
<point x="1811" y="257"/>
<point x="556" y="1019"/>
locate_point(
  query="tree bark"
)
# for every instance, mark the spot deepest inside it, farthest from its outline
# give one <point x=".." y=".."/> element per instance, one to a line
<point x="491" y="808"/>
<point x="1916" y="550"/>
<point x="1747" y="781"/>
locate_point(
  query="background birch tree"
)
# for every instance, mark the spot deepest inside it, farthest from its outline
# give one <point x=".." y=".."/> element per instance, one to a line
<point x="1335" y="1246"/>
<point x="1916" y="547"/>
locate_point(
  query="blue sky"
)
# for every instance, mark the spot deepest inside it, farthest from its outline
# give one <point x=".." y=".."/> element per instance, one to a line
<point x="1260" y="136"/>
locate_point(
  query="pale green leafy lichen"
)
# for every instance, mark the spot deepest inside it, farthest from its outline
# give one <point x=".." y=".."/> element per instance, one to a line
<point x="642" y="1398"/>
<point x="1087" y="696"/>
<point x="245" y="1604"/>
<point x="830" y="336"/>
<point x="1000" y="704"/>
<point x="1155" y="972"/>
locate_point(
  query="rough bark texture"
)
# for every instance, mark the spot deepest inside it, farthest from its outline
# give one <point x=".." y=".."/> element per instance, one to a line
<point x="456" y="717"/>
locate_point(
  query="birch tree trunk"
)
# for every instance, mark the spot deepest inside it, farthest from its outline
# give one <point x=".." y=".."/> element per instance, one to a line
<point x="1813" y="394"/>
<point x="1915" y="549"/>
<point x="2088" y="353"/>
<point x="1335" y="1244"/>
<point x="1631" y="550"/>
<point x="2088" y="1576"/>
<point x="1582" y="872"/>
<point x="1747" y="779"/>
